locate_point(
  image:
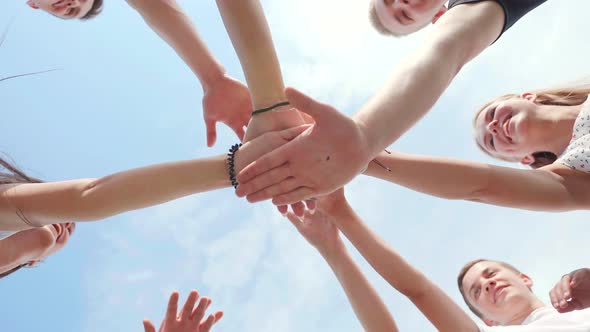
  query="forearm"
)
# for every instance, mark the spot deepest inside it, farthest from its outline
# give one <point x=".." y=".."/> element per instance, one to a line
<point x="93" y="199"/>
<point x="250" y="35"/>
<point x="409" y="93"/>
<point x="169" y="21"/>
<point x="440" y="310"/>
<point x="416" y="84"/>
<point x="467" y="180"/>
<point x="366" y="303"/>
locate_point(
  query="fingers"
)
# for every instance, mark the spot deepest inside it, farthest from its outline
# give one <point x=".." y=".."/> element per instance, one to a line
<point x="560" y="293"/>
<point x="311" y="205"/>
<point x="240" y="132"/>
<point x="172" y="307"/>
<point x="283" y="209"/>
<point x="199" y="311"/>
<point x="297" y="195"/>
<point x="148" y="326"/>
<point x="211" y="133"/>
<point x="298" y="208"/>
<point x="187" y="309"/>
<point x="291" y="133"/>
<point x="206" y="325"/>
<point x="264" y="164"/>
<point x="306" y="104"/>
<point x="294" y="220"/>
<point x="218" y="316"/>
<point x="270" y="178"/>
<point x="283" y="187"/>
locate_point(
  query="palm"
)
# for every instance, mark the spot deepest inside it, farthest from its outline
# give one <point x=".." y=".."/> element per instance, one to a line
<point x="227" y="101"/>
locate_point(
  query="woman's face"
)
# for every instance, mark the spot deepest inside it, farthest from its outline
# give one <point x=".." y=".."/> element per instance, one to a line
<point x="503" y="128"/>
<point x="65" y="9"/>
<point x="36" y="244"/>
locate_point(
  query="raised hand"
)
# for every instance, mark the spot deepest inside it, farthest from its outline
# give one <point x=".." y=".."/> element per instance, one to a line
<point x="322" y="159"/>
<point x="319" y="228"/>
<point x="189" y="319"/>
<point x="226" y="100"/>
<point x="572" y="292"/>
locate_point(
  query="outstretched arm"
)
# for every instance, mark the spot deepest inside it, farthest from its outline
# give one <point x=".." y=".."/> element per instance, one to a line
<point x="249" y="32"/>
<point x="320" y="232"/>
<point x="440" y="310"/>
<point x="93" y="199"/>
<point x="413" y="88"/>
<point x="225" y="99"/>
<point x="550" y="188"/>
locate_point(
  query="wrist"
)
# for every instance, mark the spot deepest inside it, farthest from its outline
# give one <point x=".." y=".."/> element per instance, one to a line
<point x="370" y="138"/>
<point x="212" y="77"/>
<point x="331" y="251"/>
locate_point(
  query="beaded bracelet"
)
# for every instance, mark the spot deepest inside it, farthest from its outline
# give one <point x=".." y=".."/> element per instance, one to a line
<point x="230" y="164"/>
<point x="270" y="108"/>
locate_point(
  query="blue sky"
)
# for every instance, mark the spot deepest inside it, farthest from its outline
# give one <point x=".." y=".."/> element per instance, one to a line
<point x="123" y="99"/>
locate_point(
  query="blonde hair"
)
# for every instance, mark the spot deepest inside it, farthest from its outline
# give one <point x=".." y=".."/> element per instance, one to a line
<point x="376" y="22"/>
<point x="567" y="95"/>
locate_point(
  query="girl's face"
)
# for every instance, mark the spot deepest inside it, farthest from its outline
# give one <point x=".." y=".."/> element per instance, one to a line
<point x="66" y="9"/>
<point x="36" y="244"/>
<point x="504" y="128"/>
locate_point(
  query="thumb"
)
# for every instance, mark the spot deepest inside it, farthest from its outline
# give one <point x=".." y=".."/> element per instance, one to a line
<point x="308" y="105"/>
<point x="211" y="133"/>
<point x="148" y="326"/>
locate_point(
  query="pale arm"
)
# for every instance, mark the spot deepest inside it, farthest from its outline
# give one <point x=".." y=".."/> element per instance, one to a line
<point x="168" y="20"/>
<point x="225" y="99"/>
<point x="440" y="310"/>
<point x="366" y="303"/>
<point x="249" y="32"/>
<point x="93" y="199"/>
<point x="320" y="232"/>
<point x="417" y="83"/>
<point x="551" y="188"/>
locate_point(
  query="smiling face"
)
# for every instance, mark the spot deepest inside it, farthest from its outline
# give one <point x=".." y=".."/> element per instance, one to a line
<point x="36" y="244"/>
<point x="498" y="292"/>
<point x="505" y="128"/>
<point x="65" y="9"/>
<point x="402" y="17"/>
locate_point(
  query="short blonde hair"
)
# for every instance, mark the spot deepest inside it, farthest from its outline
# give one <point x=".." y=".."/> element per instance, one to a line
<point x="376" y="21"/>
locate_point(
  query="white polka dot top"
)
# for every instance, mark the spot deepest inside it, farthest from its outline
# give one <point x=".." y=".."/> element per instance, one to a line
<point x="577" y="154"/>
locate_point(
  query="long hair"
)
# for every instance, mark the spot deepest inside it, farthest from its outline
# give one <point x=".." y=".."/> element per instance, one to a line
<point x="571" y="94"/>
<point x="10" y="174"/>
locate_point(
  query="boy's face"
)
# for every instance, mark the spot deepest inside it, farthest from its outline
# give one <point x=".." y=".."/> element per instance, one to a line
<point x="403" y="17"/>
<point x="499" y="293"/>
<point x="65" y="9"/>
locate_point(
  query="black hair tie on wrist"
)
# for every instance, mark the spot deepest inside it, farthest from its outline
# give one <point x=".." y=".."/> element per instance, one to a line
<point x="230" y="164"/>
<point x="270" y="108"/>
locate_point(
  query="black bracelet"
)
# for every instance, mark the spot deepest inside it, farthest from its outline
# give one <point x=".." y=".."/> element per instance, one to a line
<point x="230" y="164"/>
<point x="262" y="110"/>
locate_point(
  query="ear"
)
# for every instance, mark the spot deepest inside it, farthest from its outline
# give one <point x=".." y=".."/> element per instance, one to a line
<point x="526" y="280"/>
<point x="490" y="322"/>
<point x="532" y="97"/>
<point x="32" y="4"/>
<point x="527" y="160"/>
<point x="441" y="11"/>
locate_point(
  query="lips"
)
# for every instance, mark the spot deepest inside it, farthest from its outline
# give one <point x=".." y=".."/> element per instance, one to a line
<point x="497" y="292"/>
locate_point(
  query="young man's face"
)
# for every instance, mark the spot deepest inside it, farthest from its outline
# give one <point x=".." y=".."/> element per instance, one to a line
<point x="65" y="9"/>
<point x="402" y="17"/>
<point x="500" y="294"/>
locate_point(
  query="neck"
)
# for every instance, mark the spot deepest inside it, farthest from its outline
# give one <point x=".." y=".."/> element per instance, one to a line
<point x="559" y="121"/>
<point x="520" y="317"/>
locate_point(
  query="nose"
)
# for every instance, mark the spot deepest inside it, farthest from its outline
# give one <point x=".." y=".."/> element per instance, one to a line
<point x="492" y="127"/>
<point x="490" y="286"/>
<point x="73" y="3"/>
